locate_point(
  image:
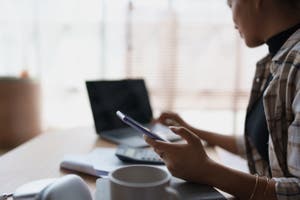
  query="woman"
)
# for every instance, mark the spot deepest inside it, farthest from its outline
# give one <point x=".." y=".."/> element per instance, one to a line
<point x="272" y="130"/>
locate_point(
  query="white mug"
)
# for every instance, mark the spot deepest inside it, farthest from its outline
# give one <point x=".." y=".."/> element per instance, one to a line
<point x="138" y="182"/>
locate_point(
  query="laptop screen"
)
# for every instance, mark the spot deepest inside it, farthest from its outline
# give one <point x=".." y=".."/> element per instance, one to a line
<point x="129" y="96"/>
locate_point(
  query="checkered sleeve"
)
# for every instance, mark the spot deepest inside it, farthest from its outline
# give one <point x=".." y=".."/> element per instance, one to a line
<point x="287" y="188"/>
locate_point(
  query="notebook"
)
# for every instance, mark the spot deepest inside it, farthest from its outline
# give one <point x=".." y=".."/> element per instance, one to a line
<point x="101" y="161"/>
<point x="186" y="190"/>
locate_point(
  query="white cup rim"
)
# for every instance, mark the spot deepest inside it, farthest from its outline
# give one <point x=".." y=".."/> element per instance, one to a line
<point x="139" y="185"/>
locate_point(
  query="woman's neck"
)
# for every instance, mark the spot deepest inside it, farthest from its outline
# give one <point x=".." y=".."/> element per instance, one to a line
<point x="277" y="41"/>
<point x="278" y="20"/>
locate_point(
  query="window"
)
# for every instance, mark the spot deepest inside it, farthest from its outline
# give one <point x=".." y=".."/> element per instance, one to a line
<point x="187" y="50"/>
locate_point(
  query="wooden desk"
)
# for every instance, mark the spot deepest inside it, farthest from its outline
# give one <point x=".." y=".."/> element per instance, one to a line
<point x="40" y="157"/>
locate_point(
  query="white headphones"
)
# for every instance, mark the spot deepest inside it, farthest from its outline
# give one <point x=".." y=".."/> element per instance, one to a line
<point x="69" y="187"/>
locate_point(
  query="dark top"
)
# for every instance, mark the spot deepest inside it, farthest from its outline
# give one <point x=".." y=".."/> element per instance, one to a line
<point x="277" y="41"/>
<point x="256" y="124"/>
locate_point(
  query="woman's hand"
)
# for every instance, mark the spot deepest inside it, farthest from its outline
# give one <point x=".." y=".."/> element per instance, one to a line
<point x="171" y="119"/>
<point x="188" y="161"/>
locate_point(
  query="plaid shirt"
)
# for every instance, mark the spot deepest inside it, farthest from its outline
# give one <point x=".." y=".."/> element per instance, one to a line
<point x="282" y="109"/>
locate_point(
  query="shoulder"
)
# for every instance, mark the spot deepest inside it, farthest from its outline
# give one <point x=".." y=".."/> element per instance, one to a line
<point x="292" y="48"/>
<point x="289" y="64"/>
<point x="286" y="72"/>
<point x="293" y="56"/>
<point x="292" y="62"/>
<point x="289" y="53"/>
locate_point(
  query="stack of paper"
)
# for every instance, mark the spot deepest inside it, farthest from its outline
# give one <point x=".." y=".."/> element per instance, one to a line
<point x="98" y="163"/>
<point x="101" y="161"/>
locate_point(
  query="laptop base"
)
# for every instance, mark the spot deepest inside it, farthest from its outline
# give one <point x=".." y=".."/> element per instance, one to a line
<point x="132" y="141"/>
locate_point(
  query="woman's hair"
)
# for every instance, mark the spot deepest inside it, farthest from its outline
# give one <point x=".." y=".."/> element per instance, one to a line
<point x="295" y="4"/>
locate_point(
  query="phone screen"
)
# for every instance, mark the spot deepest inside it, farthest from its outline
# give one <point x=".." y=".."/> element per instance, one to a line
<point x="139" y="127"/>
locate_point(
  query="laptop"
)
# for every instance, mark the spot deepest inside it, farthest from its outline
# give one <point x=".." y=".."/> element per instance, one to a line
<point x="129" y="96"/>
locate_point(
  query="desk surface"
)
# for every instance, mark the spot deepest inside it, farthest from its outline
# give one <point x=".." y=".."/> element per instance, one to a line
<point x="40" y="157"/>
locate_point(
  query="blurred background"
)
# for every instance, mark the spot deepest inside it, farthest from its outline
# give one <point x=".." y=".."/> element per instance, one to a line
<point x="192" y="59"/>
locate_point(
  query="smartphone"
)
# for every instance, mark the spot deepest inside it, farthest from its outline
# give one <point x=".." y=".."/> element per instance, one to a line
<point x="139" y="127"/>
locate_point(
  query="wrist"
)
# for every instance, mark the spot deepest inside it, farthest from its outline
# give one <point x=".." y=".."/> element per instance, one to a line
<point x="209" y="171"/>
<point x="239" y="184"/>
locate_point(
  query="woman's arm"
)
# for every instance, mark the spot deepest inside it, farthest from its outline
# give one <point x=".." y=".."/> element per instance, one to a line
<point x="240" y="184"/>
<point x="288" y="188"/>
<point x="190" y="162"/>
<point x="226" y="142"/>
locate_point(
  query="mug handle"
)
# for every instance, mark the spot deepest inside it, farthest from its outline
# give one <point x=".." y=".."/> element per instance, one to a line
<point x="172" y="194"/>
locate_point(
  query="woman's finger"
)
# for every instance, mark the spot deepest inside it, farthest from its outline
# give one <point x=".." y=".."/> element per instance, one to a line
<point x="162" y="118"/>
<point x="166" y="118"/>
<point x="190" y="137"/>
<point x="159" y="145"/>
<point x="160" y="153"/>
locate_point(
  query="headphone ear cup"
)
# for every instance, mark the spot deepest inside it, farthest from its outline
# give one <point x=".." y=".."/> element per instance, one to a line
<point x="70" y="187"/>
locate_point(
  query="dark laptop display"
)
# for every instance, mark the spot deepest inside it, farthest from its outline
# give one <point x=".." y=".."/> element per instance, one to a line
<point x="129" y="96"/>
